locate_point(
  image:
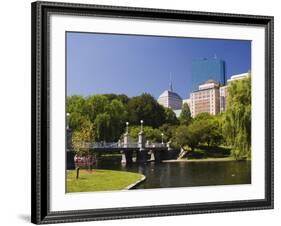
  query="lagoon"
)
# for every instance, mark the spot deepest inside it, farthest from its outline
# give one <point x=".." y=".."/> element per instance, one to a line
<point x="183" y="173"/>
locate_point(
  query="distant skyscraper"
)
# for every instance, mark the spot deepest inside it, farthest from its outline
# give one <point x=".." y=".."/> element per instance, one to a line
<point x="170" y="99"/>
<point x="207" y="69"/>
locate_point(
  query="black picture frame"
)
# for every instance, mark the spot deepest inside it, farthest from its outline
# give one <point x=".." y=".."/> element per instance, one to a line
<point x="40" y="208"/>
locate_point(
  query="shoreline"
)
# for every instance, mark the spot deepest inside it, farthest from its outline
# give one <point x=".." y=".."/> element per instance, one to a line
<point x="227" y="159"/>
<point x="136" y="183"/>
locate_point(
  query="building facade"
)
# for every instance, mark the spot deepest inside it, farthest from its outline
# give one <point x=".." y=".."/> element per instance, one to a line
<point x="206" y="99"/>
<point x="211" y="97"/>
<point x="170" y="99"/>
<point x="223" y="98"/>
<point x="207" y="69"/>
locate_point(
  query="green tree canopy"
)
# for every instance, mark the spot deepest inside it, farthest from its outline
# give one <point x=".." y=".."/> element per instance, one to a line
<point x="237" y="118"/>
<point x="203" y="116"/>
<point x="76" y="104"/>
<point x="185" y="115"/>
<point x="76" y="120"/>
<point x="187" y="137"/>
<point x="82" y="137"/>
<point x="170" y="117"/>
<point x="168" y="130"/>
<point x="146" y="108"/>
<point x="95" y="105"/>
<point x="203" y="129"/>
<point x="151" y="134"/>
<point x="211" y="133"/>
<point x="102" y="125"/>
<point x="118" y="115"/>
<point x="121" y="97"/>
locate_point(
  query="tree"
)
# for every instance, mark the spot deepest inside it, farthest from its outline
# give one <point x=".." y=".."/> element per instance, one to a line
<point x="76" y="120"/>
<point x="185" y="115"/>
<point x="237" y="118"/>
<point x="82" y="138"/>
<point x="203" y="116"/>
<point x="210" y="132"/>
<point x="102" y="125"/>
<point x="168" y="130"/>
<point x="150" y="133"/>
<point x="170" y="117"/>
<point x="146" y="108"/>
<point x="187" y="136"/>
<point x="95" y="105"/>
<point x="117" y="119"/>
<point x="121" y="97"/>
<point x="76" y="104"/>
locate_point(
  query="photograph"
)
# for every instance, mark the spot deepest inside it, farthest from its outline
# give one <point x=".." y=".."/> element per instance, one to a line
<point x="156" y="112"/>
<point x="149" y="112"/>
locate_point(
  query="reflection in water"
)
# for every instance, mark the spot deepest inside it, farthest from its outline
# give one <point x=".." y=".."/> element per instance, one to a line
<point x="184" y="174"/>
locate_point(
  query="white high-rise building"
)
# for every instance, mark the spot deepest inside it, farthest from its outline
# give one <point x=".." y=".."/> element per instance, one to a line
<point x="170" y="99"/>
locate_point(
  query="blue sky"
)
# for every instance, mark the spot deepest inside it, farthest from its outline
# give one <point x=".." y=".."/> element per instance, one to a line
<point x="130" y="64"/>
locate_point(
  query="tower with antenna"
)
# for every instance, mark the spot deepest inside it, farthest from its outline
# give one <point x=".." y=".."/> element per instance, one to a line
<point x="171" y="84"/>
<point x="169" y="98"/>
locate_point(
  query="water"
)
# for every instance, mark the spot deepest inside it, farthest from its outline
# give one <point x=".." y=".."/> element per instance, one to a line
<point x="184" y="174"/>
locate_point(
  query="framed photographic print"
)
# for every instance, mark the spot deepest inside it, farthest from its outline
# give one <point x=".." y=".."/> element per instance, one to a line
<point x="142" y="112"/>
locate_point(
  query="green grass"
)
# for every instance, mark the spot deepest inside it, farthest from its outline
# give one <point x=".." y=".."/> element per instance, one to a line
<point x="100" y="180"/>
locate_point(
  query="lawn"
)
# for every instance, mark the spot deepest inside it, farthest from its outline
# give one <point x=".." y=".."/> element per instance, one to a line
<point x="100" y="180"/>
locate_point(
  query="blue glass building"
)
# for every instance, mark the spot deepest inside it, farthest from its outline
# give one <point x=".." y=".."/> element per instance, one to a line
<point x="207" y="69"/>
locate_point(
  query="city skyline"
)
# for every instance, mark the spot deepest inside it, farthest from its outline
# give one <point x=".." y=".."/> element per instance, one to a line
<point x="132" y="65"/>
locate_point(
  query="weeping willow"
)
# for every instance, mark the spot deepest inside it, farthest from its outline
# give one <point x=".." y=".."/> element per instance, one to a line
<point x="237" y="118"/>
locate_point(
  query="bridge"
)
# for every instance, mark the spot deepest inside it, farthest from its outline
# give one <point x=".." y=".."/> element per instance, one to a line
<point x="142" y="151"/>
<point x="113" y="146"/>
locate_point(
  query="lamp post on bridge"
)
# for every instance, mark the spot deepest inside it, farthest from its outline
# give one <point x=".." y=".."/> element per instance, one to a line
<point x="67" y="120"/>
<point x="141" y="121"/>
<point x="126" y="154"/>
<point x="126" y="135"/>
<point x="127" y="127"/>
<point x="162" y="134"/>
<point x="141" y="141"/>
<point x="142" y="153"/>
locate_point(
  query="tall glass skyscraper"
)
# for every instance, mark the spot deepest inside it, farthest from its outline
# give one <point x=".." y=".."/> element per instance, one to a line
<point x="207" y="69"/>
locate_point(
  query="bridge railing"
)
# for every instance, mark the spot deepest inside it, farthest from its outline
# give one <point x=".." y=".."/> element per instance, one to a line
<point x="105" y="145"/>
<point x="111" y="145"/>
<point x="129" y="145"/>
<point x="155" y="145"/>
